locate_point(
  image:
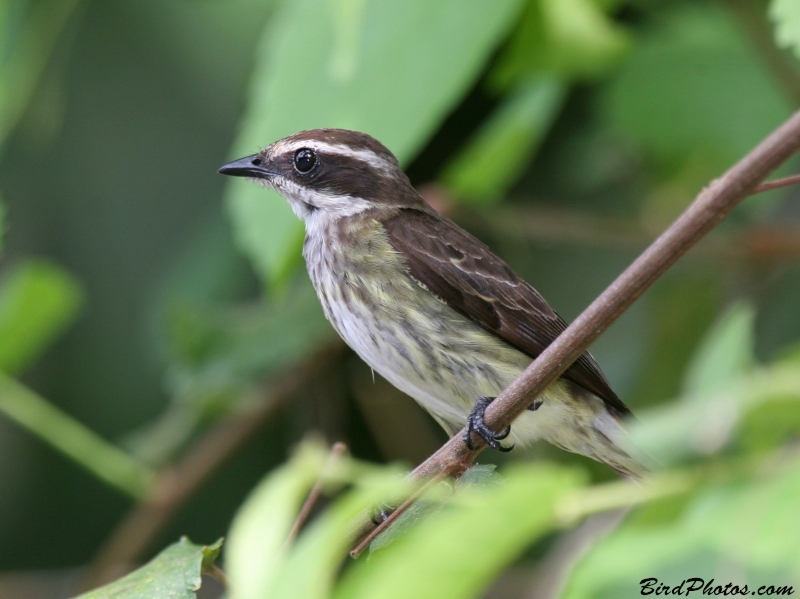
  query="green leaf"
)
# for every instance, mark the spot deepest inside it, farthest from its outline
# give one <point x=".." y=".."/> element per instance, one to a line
<point x="459" y="551"/>
<point x="566" y="38"/>
<point x="506" y="143"/>
<point x="690" y="78"/>
<point x="258" y="563"/>
<point x="28" y="41"/>
<point x="261" y="526"/>
<point x="2" y="224"/>
<point x="75" y="440"/>
<point x="480" y="476"/>
<point x="786" y="15"/>
<point x="172" y="574"/>
<point x="390" y="69"/>
<point x="476" y="477"/>
<point x="706" y="424"/>
<point x="38" y="300"/>
<point x="750" y="523"/>
<point x="314" y="561"/>
<point x="725" y="354"/>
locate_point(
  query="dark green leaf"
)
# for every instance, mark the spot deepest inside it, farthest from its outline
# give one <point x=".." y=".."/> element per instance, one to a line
<point x="2" y="224"/>
<point x="172" y="574"/>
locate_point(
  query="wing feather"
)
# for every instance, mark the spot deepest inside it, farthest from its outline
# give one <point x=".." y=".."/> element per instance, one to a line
<point x="471" y="279"/>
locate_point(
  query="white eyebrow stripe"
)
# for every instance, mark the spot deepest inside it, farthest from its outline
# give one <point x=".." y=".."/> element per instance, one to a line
<point x="367" y="156"/>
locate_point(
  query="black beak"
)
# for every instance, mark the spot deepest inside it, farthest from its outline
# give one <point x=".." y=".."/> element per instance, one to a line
<point x="249" y="166"/>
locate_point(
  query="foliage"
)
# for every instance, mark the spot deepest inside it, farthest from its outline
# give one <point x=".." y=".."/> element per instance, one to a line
<point x="37" y="302"/>
<point x="611" y="114"/>
<point x="175" y="573"/>
<point x="786" y="15"/>
<point x="682" y="529"/>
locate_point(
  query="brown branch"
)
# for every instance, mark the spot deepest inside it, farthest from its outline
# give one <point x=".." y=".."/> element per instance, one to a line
<point x="571" y="227"/>
<point x="710" y="207"/>
<point x="762" y="243"/>
<point x="336" y="451"/>
<point x="176" y="484"/>
<point x="391" y="518"/>
<point x="777" y="184"/>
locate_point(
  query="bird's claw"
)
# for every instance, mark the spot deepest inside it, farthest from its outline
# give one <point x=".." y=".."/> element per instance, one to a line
<point x="476" y="424"/>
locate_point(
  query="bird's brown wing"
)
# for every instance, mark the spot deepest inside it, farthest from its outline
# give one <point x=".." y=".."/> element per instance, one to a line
<point x="472" y="280"/>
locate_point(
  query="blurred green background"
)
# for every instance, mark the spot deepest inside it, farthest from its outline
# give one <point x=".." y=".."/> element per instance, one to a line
<point x="150" y="299"/>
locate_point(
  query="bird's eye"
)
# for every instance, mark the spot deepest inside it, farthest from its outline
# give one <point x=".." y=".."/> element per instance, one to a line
<point x="304" y="160"/>
<point x="256" y="162"/>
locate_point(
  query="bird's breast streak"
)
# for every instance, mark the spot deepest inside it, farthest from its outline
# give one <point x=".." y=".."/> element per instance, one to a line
<point x="401" y="330"/>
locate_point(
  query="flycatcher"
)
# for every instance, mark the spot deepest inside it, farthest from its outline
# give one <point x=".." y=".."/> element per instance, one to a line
<point x="424" y="303"/>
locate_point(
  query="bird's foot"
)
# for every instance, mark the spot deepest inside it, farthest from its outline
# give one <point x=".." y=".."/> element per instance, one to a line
<point x="476" y="424"/>
<point x="536" y="405"/>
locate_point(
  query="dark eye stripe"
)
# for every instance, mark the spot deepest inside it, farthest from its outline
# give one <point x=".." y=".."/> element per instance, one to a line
<point x="349" y="176"/>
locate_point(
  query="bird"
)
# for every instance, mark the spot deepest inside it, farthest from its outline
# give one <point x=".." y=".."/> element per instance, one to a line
<point x="425" y="304"/>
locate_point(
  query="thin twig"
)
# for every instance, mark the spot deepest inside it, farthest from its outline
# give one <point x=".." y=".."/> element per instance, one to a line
<point x="218" y="574"/>
<point x="176" y="484"/>
<point x="336" y="452"/>
<point x="391" y="518"/>
<point x="710" y="207"/>
<point x="571" y="228"/>
<point x="777" y="183"/>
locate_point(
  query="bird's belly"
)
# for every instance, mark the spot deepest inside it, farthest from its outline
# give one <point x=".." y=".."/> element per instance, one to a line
<point x="421" y="345"/>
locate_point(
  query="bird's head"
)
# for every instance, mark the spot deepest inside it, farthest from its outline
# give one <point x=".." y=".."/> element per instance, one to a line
<point x="330" y="172"/>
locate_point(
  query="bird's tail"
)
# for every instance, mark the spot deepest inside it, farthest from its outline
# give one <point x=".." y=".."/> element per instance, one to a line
<point x="580" y="422"/>
<point x="607" y="440"/>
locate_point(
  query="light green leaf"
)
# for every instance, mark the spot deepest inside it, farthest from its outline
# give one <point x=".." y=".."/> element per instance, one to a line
<point x="506" y="143"/>
<point x="38" y="300"/>
<point x="172" y="574"/>
<point x="749" y="524"/>
<point x="390" y="69"/>
<point x="705" y="425"/>
<point x="314" y="561"/>
<point x="459" y="551"/>
<point x="258" y="562"/>
<point x="725" y="354"/>
<point x="786" y="15"/>
<point x="565" y="38"/>
<point x="581" y="39"/>
<point x="254" y="554"/>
